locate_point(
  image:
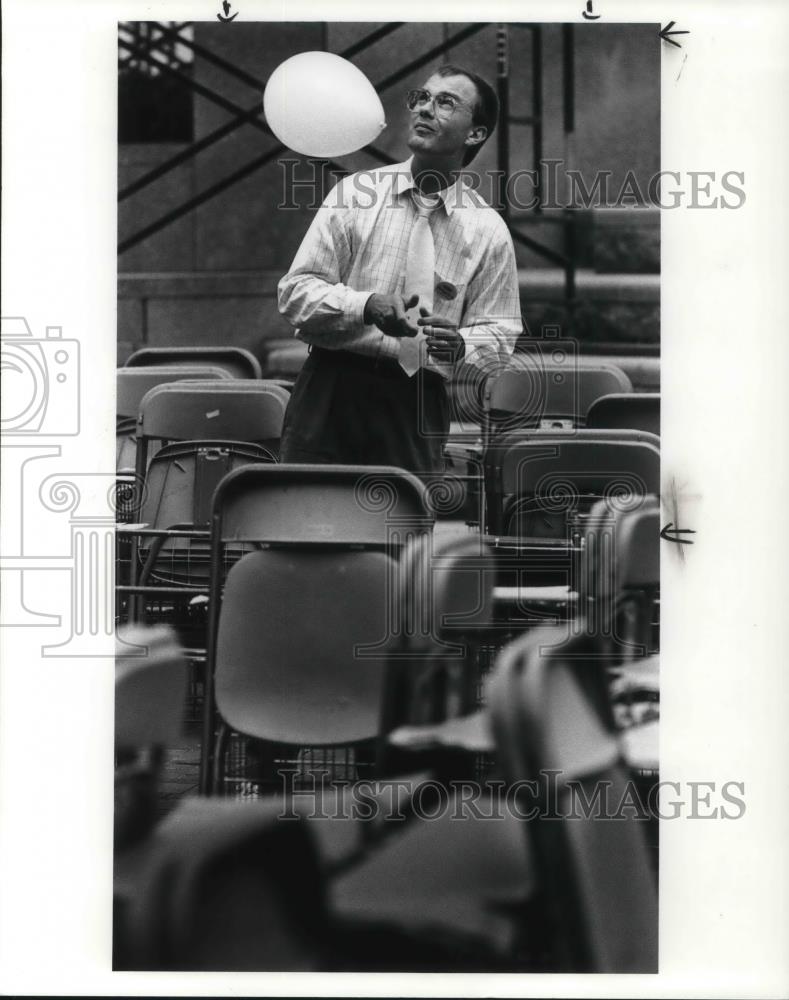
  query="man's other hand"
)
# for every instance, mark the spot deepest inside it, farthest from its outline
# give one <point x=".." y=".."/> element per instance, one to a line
<point x="388" y="313"/>
<point x="444" y="343"/>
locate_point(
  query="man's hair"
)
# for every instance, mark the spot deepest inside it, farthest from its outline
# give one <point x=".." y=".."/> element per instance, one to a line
<point x="486" y="110"/>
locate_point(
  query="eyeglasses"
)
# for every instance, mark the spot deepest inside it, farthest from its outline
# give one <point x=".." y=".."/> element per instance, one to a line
<point x="444" y="105"/>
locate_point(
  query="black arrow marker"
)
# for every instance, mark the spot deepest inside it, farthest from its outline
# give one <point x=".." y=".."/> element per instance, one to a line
<point x="665" y="32"/>
<point x="670" y="534"/>
<point x="226" y="9"/>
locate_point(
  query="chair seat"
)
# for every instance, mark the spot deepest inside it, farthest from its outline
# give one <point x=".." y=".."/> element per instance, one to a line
<point x="640" y="746"/>
<point x="468" y="732"/>
<point x="453" y="876"/>
<point x="465" y="431"/>
<point x="343" y="826"/>
<point x="637" y="675"/>
<point x="523" y="595"/>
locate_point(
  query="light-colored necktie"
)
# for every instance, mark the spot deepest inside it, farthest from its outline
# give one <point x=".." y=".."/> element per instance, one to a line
<point x="419" y="276"/>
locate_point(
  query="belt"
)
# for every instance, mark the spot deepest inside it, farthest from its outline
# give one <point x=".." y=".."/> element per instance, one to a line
<point x="384" y="367"/>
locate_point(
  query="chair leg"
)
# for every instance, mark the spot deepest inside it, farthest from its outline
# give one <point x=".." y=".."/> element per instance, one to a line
<point x="218" y="769"/>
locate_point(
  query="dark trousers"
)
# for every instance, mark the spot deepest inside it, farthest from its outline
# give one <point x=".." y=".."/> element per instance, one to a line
<point x="348" y="409"/>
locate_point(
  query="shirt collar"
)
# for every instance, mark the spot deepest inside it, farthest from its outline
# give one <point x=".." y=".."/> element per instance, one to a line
<point x="452" y="197"/>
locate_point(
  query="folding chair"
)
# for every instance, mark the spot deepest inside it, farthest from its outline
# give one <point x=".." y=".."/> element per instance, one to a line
<point x="210" y="428"/>
<point x="621" y="577"/>
<point x="432" y="692"/>
<point x="452" y="892"/>
<point x="150" y="685"/>
<point x="452" y="888"/>
<point x="528" y="393"/>
<point x="542" y="487"/>
<point x="536" y="480"/>
<point x="236" y="361"/>
<point x="639" y="411"/>
<point x="231" y="410"/>
<point x="299" y="635"/>
<point x="622" y="606"/>
<point x="285" y="360"/>
<point x="597" y="885"/>
<point x="221" y="886"/>
<point x="132" y="385"/>
<point x="432" y="697"/>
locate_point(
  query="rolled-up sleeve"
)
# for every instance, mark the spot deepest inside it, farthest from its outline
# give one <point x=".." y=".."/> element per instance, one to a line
<point x="312" y="295"/>
<point x="491" y="322"/>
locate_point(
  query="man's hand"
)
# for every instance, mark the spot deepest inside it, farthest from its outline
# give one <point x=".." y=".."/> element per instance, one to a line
<point x="387" y="312"/>
<point x="444" y="343"/>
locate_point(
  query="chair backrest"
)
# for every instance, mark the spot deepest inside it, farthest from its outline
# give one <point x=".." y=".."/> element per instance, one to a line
<point x="182" y="478"/>
<point x="150" y="687"/>
<point x="134" y="383"/>
<point x="177" y="496"/>
<point x="643" y="369"/>
<point x="125" y="444"/>
<point x="373" y="506"/>
<point x="237" y="361"/>
<point x="596" y="876"/>
<point x="627" y="411"/>
<point x="620" y="579"/>
<point x="210" y="877"/>
<point x="289" y="663"/>
<point x="286" y="360"/>
<point x="445" y="599"/>
<point x="541" y="479"/>
<point x="286" y="383"/>
<point x="317" y="599"/>
<point x="528" y="395"/>
<point x="230" y="410"/>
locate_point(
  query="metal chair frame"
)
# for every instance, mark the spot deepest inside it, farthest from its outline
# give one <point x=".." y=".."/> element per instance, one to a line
<point x="626" y="411"/>
<point x="237" y="361"/>
<point x="303" y="508"/>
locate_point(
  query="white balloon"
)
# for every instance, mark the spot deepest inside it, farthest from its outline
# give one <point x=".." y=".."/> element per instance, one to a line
<point x="320" y="104"/>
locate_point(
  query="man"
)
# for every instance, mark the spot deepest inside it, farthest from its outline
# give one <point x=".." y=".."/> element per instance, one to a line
<point x="404" y="274"/>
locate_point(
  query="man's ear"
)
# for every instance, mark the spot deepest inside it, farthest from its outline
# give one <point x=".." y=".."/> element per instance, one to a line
<point x="476" y="135"/>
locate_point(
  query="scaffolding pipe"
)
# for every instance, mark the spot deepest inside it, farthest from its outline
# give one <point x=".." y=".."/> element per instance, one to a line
<point x="503" y="92"/>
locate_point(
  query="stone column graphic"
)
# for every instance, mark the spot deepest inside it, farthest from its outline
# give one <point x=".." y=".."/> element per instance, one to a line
<point x="17" y="564"/>
<point x="90" y="501"/>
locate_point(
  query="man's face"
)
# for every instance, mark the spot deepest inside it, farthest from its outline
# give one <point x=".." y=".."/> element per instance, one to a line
<point x="432" y="134"/>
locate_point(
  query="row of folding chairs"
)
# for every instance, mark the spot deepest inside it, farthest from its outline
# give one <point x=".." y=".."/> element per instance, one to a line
<point x="283" y="358"/>
<point x="542" y="388"/>
<point x="542" y="487"/>
<point x="530" y="398"/>
<point x="134" y="383"/>
<point x="504" y="894"/>
<point x="189" y="434"/>
<point x="533" y="389"/>
<point x="536" y="482"/>
<point x="537" y="386"/>
<point x="334" y="584"/>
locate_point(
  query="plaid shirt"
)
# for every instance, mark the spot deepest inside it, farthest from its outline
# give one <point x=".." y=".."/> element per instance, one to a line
<point x="357" y="245"/>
